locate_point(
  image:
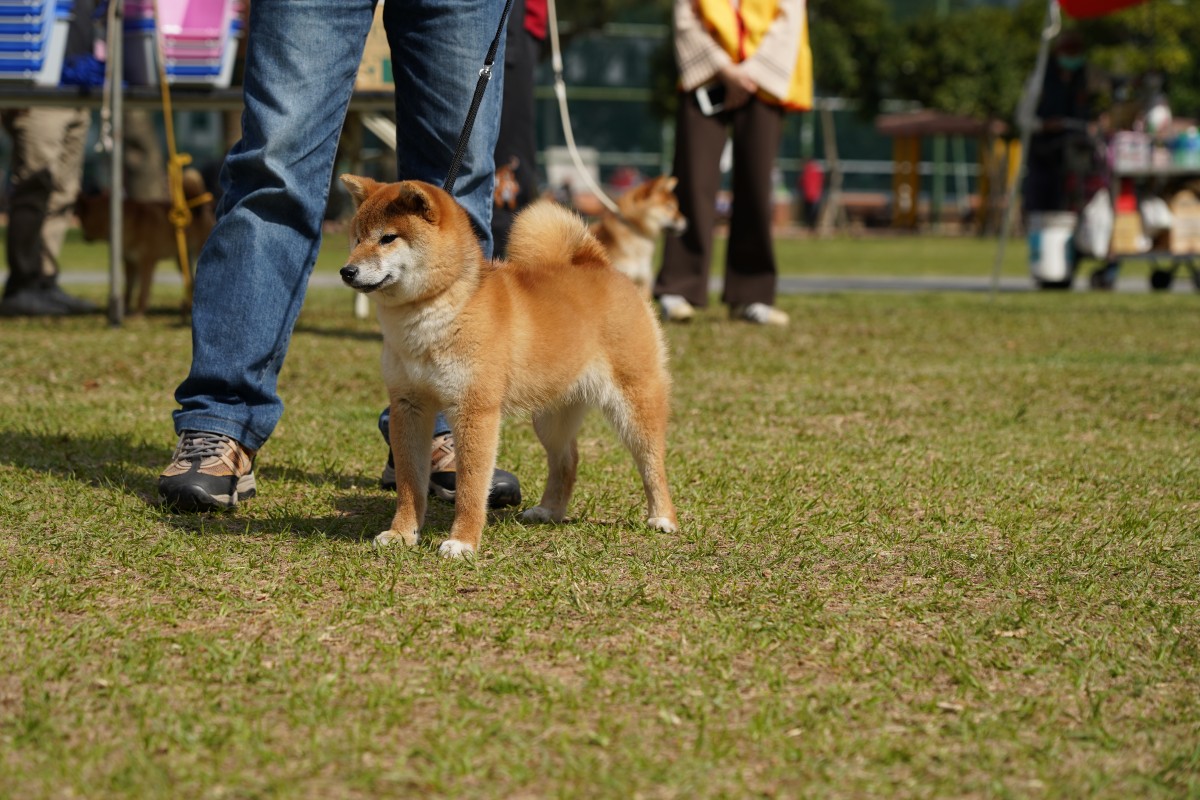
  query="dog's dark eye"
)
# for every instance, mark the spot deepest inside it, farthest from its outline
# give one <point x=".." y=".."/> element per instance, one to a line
<point x="388" y="238"/>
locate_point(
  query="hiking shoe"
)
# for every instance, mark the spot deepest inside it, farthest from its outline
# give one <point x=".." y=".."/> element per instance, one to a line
<point x="209" y="472"/>
<point x="675" y="308"/>
<point x="760" y="314"/>
<point x="505" y="491"/>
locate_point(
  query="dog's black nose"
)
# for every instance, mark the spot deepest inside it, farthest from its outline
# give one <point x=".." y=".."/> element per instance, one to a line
<point x="349" y="272"/>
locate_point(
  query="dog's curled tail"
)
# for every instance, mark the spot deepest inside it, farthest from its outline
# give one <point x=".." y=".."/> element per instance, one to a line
<point x="546" y="234"/>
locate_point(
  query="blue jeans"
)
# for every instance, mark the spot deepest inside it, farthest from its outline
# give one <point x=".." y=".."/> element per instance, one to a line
<point x="302" y="57"/>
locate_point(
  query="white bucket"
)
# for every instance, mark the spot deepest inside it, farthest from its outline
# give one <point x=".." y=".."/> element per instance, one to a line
<point x="1051" y="252"/>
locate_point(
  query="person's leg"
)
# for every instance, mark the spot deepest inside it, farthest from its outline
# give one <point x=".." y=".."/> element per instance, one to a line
<point x="687" y="258"/>
<point x="36" y="140"/>
<point x="67" y="176"/>
<point x="46" y="165"/>
<point x="66" y="179"/>
<point x="750" y="272"/>
<point x="302" y="57"/>
<point x="438" y="48"/>
<point x="145" y="167"/>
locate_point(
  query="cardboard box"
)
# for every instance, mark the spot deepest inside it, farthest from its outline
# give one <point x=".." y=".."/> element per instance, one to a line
<point x="1128" y="237"/>
<point x="375" y="71"/>
<point x="1185" y="227"/>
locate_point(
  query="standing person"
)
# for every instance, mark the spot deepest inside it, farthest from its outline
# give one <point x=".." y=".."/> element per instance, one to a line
<point x="1059" y="147"/>
<point x="516" y="147"/>
<point x="812" y="190"/>
<point x="302" y="57"/>
<point x="46" y="173"/>
<point x="755" y="53"/>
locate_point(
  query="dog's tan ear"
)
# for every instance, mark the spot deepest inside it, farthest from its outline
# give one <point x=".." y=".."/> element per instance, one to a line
<point x="669" y="182"/>
<point x="359" y="188"/>
<point x="413" y="199"/>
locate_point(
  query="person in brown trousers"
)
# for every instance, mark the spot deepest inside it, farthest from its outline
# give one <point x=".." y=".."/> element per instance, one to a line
<point x="741" y="66"/>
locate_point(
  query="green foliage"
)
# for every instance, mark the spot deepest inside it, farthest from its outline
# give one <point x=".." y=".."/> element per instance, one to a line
<point x="972" y="62"/>
<point x="1154" y="36"/>
<point x="852" y="40"/>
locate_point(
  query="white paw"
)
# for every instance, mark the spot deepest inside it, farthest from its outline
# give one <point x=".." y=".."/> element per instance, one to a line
<point x="539" y="514"/>
<point x="388" y="538"/>
<point x="662" y="524"/>
<point x="453" y="548"/>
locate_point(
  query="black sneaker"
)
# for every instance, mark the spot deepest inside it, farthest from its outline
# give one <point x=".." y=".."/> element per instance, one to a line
<point x="209" y="472"/>
<point x="31" y="303"/>
<point x="505" y="491"/>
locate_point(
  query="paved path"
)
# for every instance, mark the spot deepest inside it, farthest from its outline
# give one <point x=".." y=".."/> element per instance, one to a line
<point x="1135" y="283"/>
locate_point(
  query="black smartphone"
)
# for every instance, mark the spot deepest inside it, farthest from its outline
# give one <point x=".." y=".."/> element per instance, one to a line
<point x="711" y="99"/>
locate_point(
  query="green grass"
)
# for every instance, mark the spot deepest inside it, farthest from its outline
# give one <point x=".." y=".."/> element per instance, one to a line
<point x="931" y="545"/>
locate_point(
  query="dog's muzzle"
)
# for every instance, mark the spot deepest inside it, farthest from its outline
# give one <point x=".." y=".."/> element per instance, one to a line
<point x="352" y="278"/>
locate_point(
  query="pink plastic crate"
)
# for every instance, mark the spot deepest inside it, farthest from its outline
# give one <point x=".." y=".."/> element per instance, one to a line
<point x="195" y="19"/>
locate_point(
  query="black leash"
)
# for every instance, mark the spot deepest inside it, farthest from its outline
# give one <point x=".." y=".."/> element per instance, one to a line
<point x="485" y="75"/>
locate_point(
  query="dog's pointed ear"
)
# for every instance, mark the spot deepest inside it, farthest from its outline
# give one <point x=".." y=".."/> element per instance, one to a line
<point x="669" y="182"/>
<point x="412" y="198"/>
<point x="359" y="188"/>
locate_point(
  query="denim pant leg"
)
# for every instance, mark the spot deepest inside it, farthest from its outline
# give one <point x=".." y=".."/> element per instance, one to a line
<point x="301" y="61"/>
<point x="438" y="48"/>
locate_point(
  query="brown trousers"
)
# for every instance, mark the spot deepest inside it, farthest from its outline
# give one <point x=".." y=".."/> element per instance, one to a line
<point x="47" y="166"/>
<point x="750" y="273"/>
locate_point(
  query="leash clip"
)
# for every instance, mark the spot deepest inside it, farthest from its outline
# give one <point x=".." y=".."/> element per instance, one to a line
<point x="486" y="72"/>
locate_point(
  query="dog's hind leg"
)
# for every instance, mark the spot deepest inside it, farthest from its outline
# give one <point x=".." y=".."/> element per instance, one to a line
<point x="146" y="267"/>
<point x="410" y="430"/>
<point x="557" y="431"/>
<point x="639" y="416"/>
<point x="132" y="268"/>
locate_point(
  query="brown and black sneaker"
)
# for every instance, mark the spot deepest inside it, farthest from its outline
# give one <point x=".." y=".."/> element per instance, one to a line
<point x="209" y="472"/>
<point x="505" y="491"/>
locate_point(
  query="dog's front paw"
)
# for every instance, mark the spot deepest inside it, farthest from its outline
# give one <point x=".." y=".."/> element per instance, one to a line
<point x="388" y="538"/>
<point x="663" y="524"/>
<point x="453" y="548"/>
<point x="540" y="514"/>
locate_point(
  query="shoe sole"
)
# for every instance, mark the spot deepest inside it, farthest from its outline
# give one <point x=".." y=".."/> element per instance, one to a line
<point x="195" y="498"/>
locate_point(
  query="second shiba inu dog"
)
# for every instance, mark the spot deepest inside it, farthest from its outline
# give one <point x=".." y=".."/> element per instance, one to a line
<point x="148" y="236"/>
<point x="555" y="330"/>
<point x="647" y="210"/>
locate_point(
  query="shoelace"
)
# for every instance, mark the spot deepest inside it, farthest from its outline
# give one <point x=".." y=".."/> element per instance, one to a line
<point x="199" y="445"/>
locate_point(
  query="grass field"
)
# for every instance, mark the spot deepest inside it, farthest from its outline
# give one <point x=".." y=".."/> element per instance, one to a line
<point x="932" y="545"/>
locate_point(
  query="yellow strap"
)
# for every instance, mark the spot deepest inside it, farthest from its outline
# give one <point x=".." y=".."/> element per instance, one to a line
<point x="181" y="210"/>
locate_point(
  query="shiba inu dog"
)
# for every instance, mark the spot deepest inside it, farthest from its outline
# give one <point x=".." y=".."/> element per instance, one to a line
<point x="647" y="210"/>
<point x="554" y="331"/>
<point x="147" y="234"/>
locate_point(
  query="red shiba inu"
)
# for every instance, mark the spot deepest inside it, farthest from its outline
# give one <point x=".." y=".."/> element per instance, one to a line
<point x="554" y="331"/>
<point x="647" y="210"/>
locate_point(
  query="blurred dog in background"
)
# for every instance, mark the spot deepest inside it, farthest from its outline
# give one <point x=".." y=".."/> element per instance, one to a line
<point x="630" y="237"/>
<point x="148" y="235"/>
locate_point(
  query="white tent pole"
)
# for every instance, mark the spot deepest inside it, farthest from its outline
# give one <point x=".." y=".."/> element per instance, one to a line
<point x="1026" y="121"/>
